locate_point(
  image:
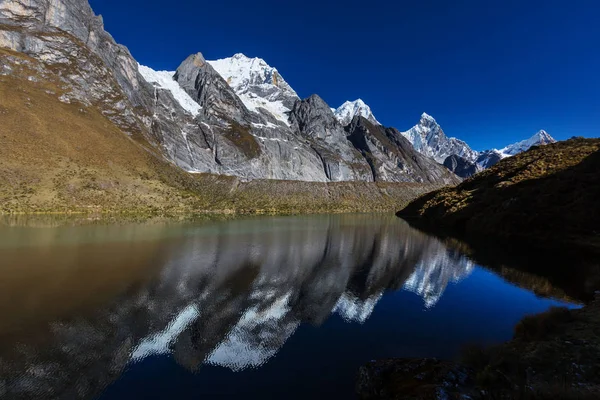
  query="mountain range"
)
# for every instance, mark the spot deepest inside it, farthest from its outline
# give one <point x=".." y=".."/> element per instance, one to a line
<point x="235" y="116"/>
<point x="264" y="91"/>
<point x="428" y="138"/>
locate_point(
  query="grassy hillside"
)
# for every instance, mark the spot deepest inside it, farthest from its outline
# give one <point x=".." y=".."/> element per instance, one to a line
<point x="58" y="157"/>
<point x="548" y="194"/>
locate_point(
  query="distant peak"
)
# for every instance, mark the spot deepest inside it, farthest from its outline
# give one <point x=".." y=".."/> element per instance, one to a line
<point x="347" y="111"/>
<point x="242" y="59"/>
<point x="427" y="117"/>
<point x="357" y="102"/>
<point x="540" y="138"/>
<point x="543" y="137"/>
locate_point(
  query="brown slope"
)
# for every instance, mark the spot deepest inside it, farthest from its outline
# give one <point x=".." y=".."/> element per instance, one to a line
<point x="57" y="156"/>
<point x="548" y="195"/>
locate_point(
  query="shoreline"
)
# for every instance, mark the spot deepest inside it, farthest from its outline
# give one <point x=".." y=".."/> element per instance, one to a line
<point x="553" y="355"/>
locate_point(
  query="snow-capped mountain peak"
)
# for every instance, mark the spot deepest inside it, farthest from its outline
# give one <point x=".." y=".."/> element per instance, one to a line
<point x="489" y="158"/>
<point x="347" y="111"/>
<point x="428" y="117"/>
<point x="540" y="138"/>
<point x="258" y="85"/>
<point x="241" y="72"/>
<point x="428" y="138"/>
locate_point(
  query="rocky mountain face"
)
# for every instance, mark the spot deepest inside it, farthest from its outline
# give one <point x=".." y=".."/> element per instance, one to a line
<point x="235" y="116"/>
<point x="71" y="42"/>
<point x="315" y="121"/>
<point x="460" y="166"/>
<point x="350" y="109"/>
<point x="388" y="152"/>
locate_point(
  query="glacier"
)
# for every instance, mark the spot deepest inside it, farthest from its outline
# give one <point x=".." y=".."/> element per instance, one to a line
<point x="164" y="80"/>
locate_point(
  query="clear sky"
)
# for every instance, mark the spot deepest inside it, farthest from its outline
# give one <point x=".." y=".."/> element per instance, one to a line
<point x="491" y="72"/>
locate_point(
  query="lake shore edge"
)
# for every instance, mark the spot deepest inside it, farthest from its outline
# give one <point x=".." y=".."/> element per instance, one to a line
<point x="553" y="355"/>
<point x="213" y="194"/>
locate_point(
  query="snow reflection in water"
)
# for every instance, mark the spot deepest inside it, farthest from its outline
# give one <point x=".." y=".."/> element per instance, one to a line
<point x="227" y="293"/>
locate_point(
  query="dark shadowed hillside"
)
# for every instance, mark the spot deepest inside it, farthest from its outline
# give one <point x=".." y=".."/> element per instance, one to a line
<point x="548" y="194"/>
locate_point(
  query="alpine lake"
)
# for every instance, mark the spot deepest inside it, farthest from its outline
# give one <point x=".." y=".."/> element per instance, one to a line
<point x="283" y="307"/>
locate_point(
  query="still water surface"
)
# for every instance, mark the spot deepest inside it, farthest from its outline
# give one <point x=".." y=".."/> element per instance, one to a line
<point x="258" y="308"/>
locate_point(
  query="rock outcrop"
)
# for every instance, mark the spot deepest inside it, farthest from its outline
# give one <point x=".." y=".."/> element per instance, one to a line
<point x="388" y="153"/>
<point x="461" y="166"/>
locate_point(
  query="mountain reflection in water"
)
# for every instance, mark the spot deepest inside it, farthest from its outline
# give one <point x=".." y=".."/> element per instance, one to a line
<point x="80" y="304"/>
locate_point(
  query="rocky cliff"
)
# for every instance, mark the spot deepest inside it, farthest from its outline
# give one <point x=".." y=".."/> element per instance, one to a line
<point x="391" y="157"/>
<point x="460" y="166"/>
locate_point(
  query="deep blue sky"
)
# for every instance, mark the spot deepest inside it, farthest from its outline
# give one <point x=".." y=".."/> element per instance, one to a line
<point x="491" y="72"/>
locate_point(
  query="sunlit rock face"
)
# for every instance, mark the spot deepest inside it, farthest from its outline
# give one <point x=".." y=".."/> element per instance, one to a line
<point x="235" y="116"/>
<point x="228" y="294"/>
